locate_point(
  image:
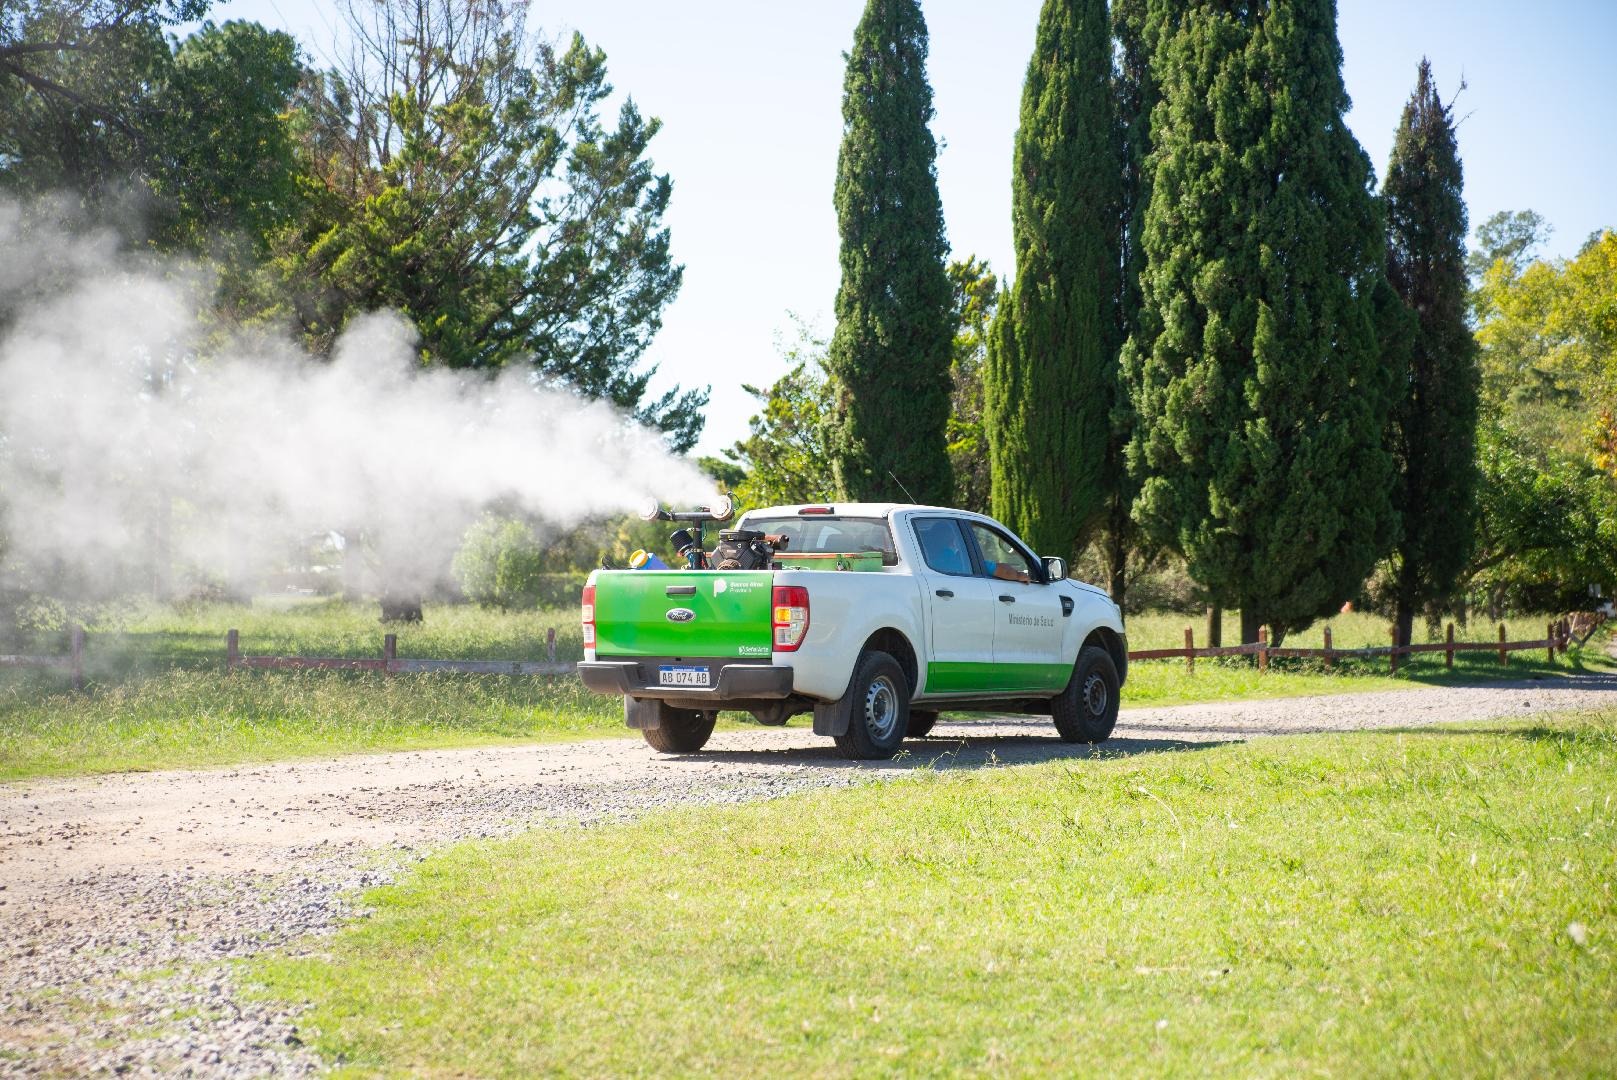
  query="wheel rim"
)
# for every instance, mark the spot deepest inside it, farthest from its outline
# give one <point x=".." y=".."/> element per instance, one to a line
<point x="881" y="708"/>
<point x="1096" y="696"/>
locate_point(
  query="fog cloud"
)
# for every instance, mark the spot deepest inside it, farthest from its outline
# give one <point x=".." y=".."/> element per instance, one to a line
<point x="127" y="427"/>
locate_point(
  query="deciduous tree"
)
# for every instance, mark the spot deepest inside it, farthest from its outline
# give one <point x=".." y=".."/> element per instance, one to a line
<point x="460" y="173"/>
<point x="977" y="295"/>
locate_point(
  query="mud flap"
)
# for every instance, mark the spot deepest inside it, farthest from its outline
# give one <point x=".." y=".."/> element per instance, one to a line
<point x="833" y="717"/>
<point x="643" y="714"/>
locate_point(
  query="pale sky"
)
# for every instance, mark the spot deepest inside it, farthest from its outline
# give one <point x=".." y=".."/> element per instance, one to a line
<point x="750" y="99"/>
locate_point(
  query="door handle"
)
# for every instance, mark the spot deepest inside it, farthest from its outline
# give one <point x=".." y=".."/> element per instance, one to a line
<point x="681" y="590"/>
<point x="1006" y="599"/>
<point x="947" y="594"/>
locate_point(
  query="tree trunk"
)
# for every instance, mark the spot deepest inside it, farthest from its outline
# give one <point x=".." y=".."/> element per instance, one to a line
<point x="1251" y="620"/>
<point x="1215" y="627"/>
<point x="1404" y="603"/>
<point x="353" y="566"/>
<point x="1118" y="560"/>
<point x="162" y="540"/>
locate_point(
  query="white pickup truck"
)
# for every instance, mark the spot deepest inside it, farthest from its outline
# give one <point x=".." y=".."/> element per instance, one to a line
<point x="956" y="613"/>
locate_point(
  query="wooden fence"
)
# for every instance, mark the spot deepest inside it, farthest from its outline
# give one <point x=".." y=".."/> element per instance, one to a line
<point x="390" y="663"/>
<point x="73" y="662"/>
<point x="1558" y="636"/>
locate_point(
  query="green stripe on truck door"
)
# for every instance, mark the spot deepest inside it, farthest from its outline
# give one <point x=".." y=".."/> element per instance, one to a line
<point x="964" y="678"/>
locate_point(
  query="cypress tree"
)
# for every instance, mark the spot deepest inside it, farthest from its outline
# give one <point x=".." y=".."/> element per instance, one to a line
<point x="1435" y="422"/>
<point x="890" y="354"/>
<point x="1052" y="381"/>
<point x="1256" y="370"/>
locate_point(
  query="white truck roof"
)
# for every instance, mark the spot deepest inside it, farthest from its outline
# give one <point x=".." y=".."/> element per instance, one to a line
<point x="855" y="509"/>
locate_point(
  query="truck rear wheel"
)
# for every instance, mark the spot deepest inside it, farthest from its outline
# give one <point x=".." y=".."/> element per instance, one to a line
<point x="682" y="731"/>
<point x="921" y="723"/>
<point x="1086" y="711"/>
<point x="878" y="704"/>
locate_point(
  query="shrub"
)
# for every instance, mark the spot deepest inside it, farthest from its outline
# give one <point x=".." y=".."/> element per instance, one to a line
<point x="500" y="564"/>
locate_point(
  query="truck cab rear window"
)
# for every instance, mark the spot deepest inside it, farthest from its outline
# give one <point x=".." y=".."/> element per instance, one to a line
<point x="831" y="535"/>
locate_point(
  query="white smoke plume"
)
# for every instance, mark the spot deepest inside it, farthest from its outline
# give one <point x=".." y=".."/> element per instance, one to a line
<point x="124" y="424"/>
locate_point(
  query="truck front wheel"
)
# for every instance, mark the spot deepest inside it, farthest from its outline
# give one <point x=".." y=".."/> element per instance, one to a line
<point x="1086" y="711"/>
<point x="681" y="731"/>
<point x="878" y="704"/>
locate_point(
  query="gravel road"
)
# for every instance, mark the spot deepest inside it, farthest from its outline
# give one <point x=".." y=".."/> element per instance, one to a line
<point x="125" y="899"/>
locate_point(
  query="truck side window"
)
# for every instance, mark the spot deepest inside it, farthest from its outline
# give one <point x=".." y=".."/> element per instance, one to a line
<point x="1003" y="559"/>
<point x="943" y="546"/>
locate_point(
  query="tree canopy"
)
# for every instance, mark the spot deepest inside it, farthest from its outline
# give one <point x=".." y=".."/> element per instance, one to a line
<point x="458" y="171"/>
<point x="890" y="354"/>
<point x="1435" y="416"/>
<point x="1052" y="382"/>
<point x="1259" y="385"/>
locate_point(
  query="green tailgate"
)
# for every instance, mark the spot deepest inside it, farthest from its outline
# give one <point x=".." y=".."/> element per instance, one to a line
<point x="729" y="613"/>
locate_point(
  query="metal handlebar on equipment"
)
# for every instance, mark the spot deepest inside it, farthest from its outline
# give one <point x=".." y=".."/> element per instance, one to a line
<point x="722" y="510"/>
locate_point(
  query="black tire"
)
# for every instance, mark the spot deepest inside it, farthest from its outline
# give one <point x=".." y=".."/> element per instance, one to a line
<point x="682" y="731"/>
<point x="878" y="703"/>
<point x="921" y="723"/>
<point x="1086" y="711"/>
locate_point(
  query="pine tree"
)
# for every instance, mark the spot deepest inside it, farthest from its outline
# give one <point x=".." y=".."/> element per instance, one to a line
<point x="1052" y="377"/>
<point x="1258" y="379"/>
<point x="890" y="353"/>
<point x="1435" y="423"/>
<point x="1137" y="25"/>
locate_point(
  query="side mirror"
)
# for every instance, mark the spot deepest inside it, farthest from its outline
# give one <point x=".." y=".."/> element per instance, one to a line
<point x="1055" y="569"/>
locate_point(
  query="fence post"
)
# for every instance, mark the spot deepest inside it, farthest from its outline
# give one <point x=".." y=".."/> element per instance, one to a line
<point x="232" y="649"/>
<point x="390" y="652"/>
<point x="1448" y="654"/>
<point x="75" y="637"/>
<point x="1549" y="637"/>
<point x="550" y="644"/>
<point x="1504" y="655"/>
<point x="1393" y="656"/>
<point x="1263" y="648"/>
<point x="1330" y="653"/>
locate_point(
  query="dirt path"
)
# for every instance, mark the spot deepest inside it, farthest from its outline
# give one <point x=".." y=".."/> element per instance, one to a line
<point x="107" y="878"/>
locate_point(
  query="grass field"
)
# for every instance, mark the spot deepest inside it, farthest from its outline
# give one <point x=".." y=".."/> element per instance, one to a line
<point x="1432" y="902"/>
<point x="158" y="696"/>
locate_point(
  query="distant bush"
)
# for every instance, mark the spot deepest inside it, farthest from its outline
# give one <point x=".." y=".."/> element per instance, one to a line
<point x="502" y="564"/>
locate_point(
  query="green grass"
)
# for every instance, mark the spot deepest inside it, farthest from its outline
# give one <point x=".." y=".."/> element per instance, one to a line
<point x="153" y="637"/>
<point x="158" y="696"/>
<point x="194" y="718"/>
<point x="1341" y="905"/>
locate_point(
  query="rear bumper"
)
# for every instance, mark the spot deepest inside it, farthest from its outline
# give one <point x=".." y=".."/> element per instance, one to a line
<point x="735" y="681"/>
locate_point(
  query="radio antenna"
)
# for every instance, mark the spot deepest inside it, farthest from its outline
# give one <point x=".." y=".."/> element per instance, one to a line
<point x="901" y="486"/>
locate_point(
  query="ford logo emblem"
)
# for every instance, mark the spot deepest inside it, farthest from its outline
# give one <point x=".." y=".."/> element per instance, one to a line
<point x="681" y="614"/>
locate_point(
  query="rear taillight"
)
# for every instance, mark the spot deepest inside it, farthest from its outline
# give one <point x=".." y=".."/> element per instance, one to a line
<point x="791" y="617"/>
<point x="589" y="616"/>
